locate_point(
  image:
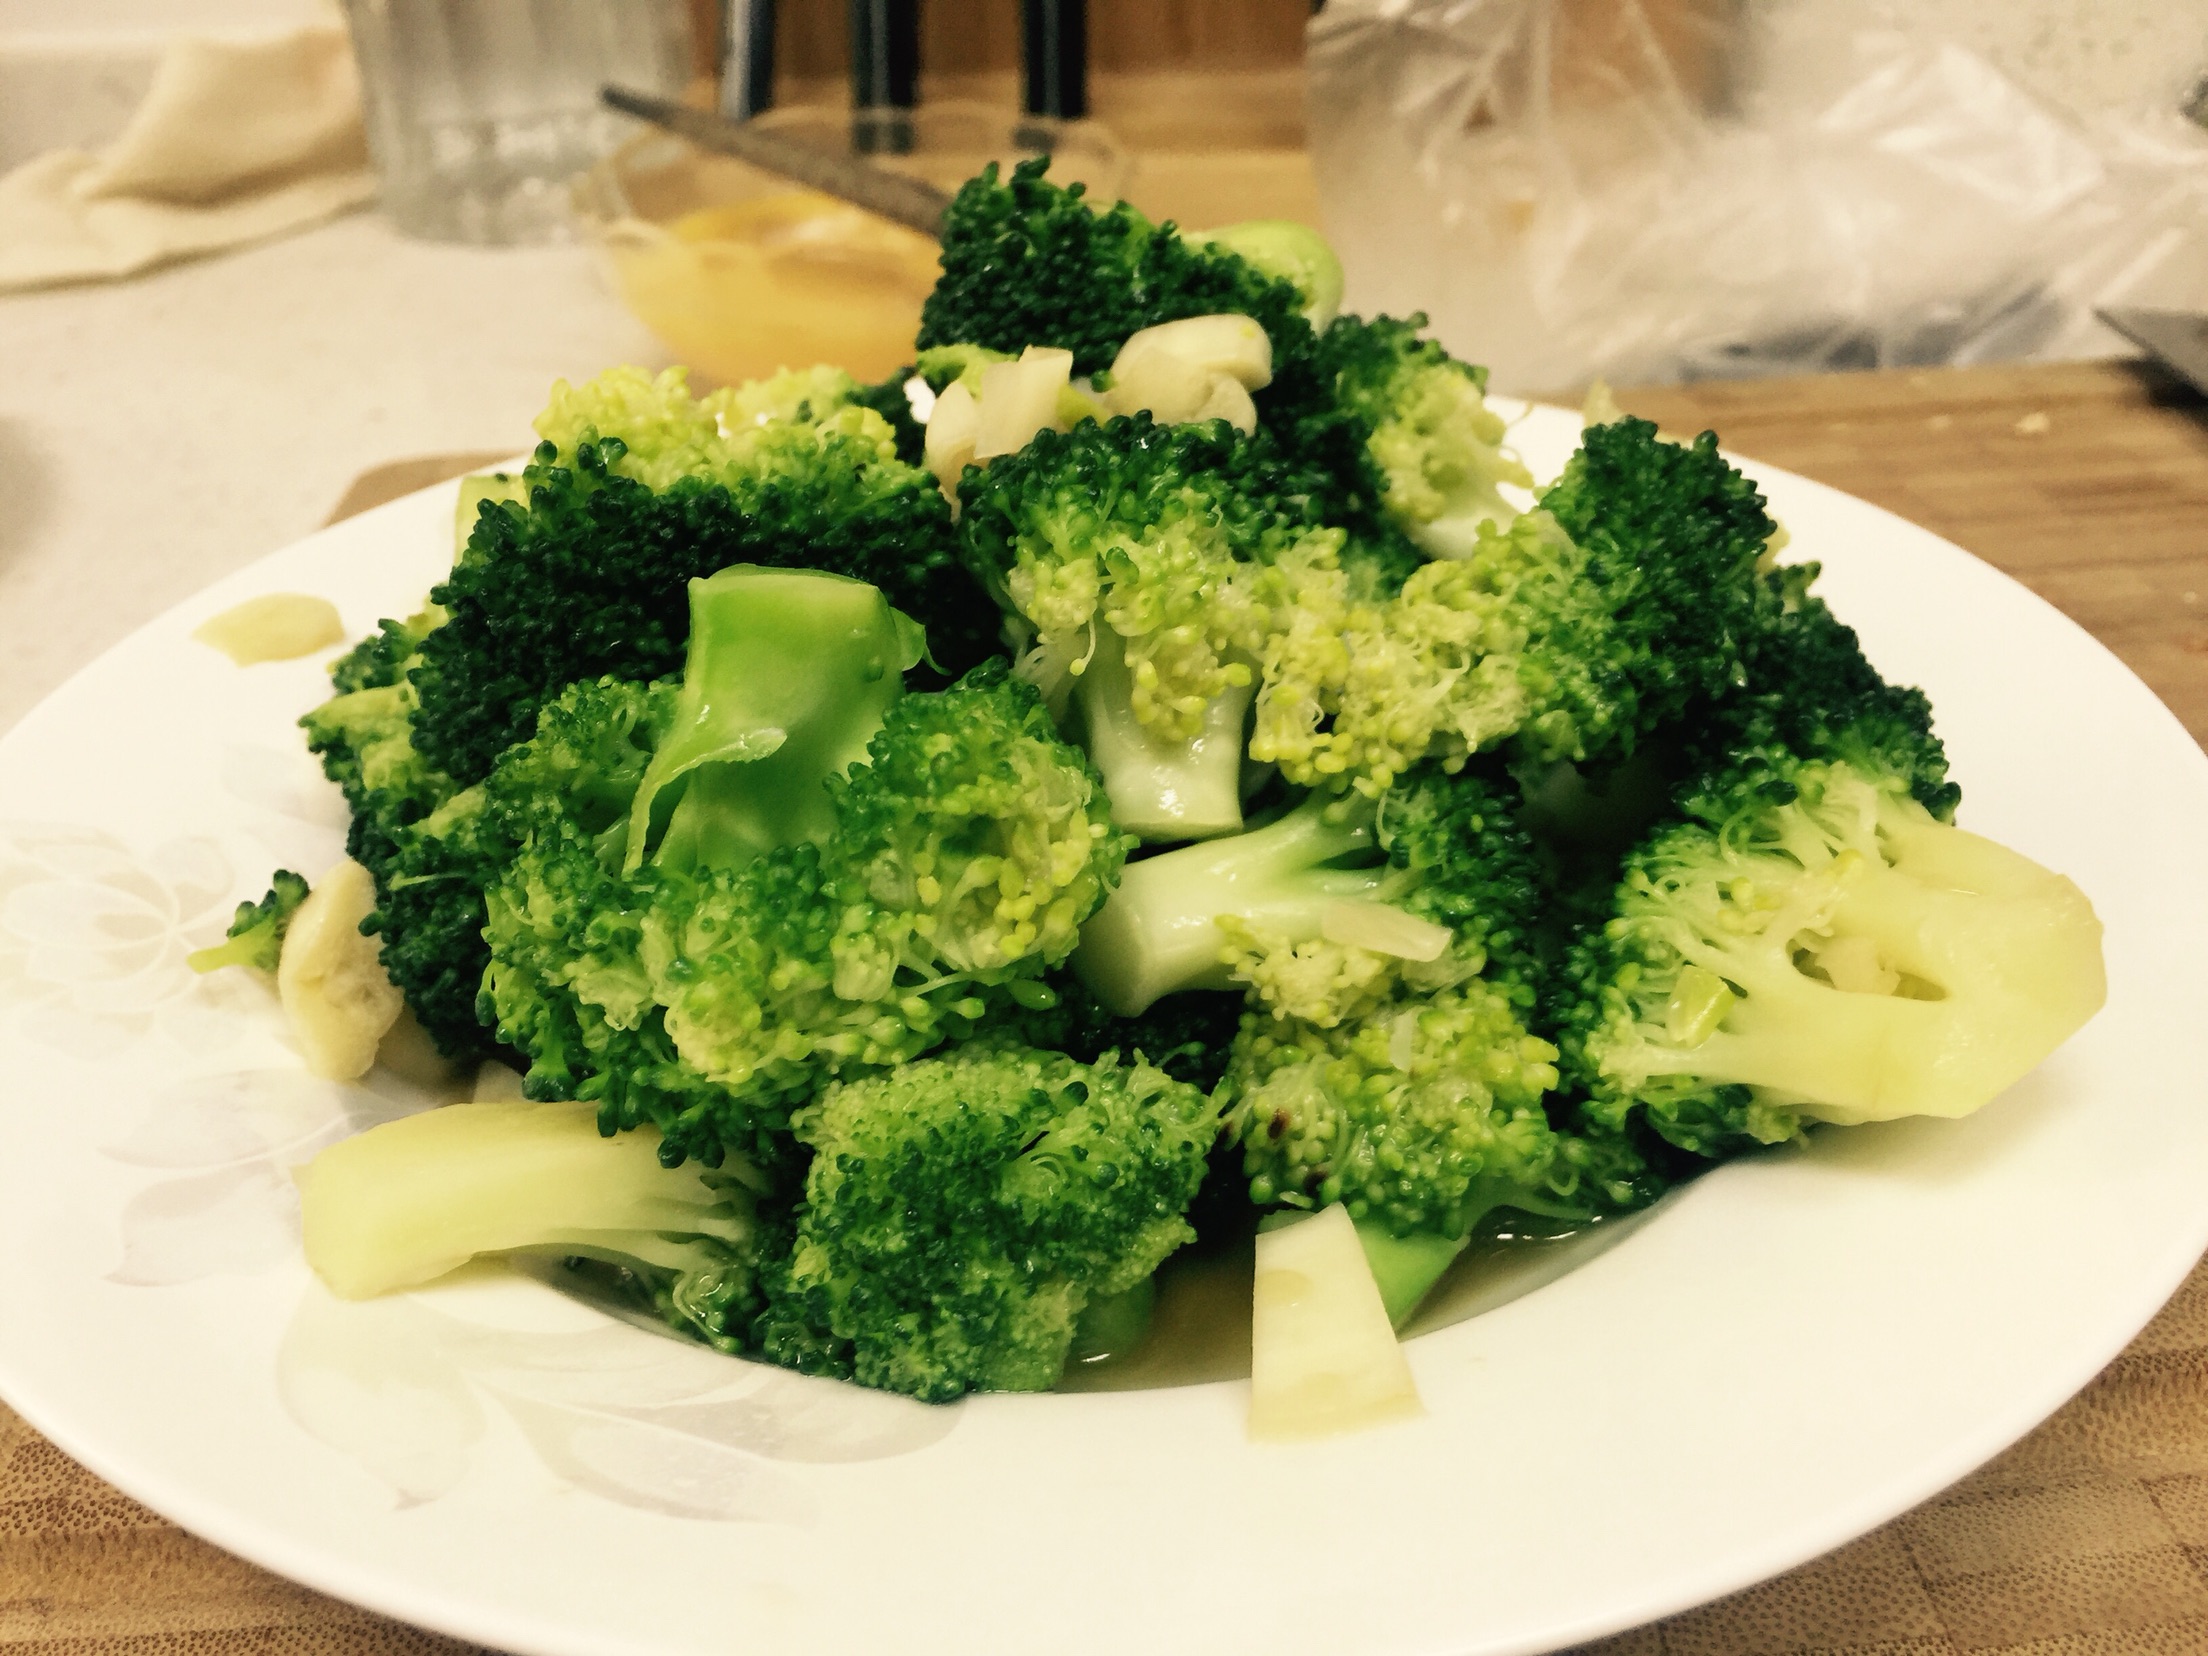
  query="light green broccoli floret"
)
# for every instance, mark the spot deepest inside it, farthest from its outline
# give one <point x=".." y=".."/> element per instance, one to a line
<point x="1423" y="1114"/>
<point x="726" y="892"/>
<point x="1569" y="633"/>
<point x="1139" y="551"/>
<point x="1437" y="446"/>
<point x="743" y="435"/>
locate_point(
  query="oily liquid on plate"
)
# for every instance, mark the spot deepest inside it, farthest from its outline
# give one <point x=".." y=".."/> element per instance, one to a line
<point x="1199" y="1330"/>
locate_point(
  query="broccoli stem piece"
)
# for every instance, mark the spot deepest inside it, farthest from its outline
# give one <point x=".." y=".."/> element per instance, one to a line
<point x="406" y="1202"/>
<point x="256" y="935"/>
<point x="790" y="672"/>
<point x="1159" y="931"/>
<point x="1406" y="1267"/>
<point x="1162" y="787"/>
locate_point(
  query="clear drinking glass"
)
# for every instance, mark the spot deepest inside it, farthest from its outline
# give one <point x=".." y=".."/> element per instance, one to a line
<point x="480" y="111"/>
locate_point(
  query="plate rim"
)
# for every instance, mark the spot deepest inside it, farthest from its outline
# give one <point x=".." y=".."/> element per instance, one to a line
<point x="384" y="1591"/>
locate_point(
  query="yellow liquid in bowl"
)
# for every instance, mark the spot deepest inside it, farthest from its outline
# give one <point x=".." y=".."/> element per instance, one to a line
<point x="784" y="280"/>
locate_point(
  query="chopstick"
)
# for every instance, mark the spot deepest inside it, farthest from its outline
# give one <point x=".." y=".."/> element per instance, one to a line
<point x="747" y="58"/>
<point x="891" y="195"/>
<point x="1054" y="37"/>
<point x="885" y="74"/>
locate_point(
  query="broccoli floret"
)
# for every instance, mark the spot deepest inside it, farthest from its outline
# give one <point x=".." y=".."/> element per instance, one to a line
<point x="256" y="934"/>
<point x="706" y="974"/>
<point x="383" y="657"/>
<point x="636" y="492"/>
<point x="407" y="1201"/>
<point x="962" y="860"/>
<point x="961" y="1213"/>
<point x="1158" y="934"/>
<point x="1807" y="940"/>
<point x="1187" y="1036"/>
<point x="1422" y="1114"/>
<point x="1028" y="263"/>
<point x="429" y="894"/>
<point x="1330" y="910"/>
<point x="1570" y="633"/>
<point x="1134" y="553"/>
<point x="893" y="403"/>
<point x="1429" y="454"/>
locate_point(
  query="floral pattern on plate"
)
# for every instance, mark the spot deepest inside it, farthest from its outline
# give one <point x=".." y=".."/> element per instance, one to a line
<point x="405" y="1385"/>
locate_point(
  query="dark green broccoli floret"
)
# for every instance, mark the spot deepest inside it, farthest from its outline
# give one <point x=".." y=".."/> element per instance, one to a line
<point x="256" y="934"/>
<point x="429" y="893"/>
<point x="383" y="657"/>
<point x="961" y="1213"/>
<point x="589" y="580"/>
<point x="1187" y="1036"/>
<point x="1028" y="263"/>
<point x="893" y="403"/>
<point x="1807" y="687"/>
<point x="1806" y="939"/>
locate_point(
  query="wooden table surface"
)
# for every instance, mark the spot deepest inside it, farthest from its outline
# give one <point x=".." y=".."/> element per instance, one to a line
<point x="2089" y="483"/>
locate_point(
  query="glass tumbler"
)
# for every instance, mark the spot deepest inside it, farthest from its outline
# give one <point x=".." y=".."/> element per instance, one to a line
<point x="480" y="111"/>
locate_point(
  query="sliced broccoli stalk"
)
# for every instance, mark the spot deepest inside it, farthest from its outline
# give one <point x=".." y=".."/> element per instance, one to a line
<point x="1812" y="944"/>
<point x="962" y="1213"/>
<point x="1288" y="251"/>
<point x="790" y="672"/>
<point x="1162" y="787"/>
<point x="256" y="935"/>
<point x="1406" y="1267"/>
<point x="406" y="1202"/>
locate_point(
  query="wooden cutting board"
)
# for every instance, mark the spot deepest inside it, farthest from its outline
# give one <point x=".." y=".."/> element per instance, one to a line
<point x="2089" y="483"/>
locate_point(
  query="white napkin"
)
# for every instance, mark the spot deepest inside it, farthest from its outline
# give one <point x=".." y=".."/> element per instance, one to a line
<point x="238" y="140"/>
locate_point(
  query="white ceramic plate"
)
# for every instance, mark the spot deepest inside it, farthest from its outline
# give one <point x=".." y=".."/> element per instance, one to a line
<point x="1793" y="1350"/>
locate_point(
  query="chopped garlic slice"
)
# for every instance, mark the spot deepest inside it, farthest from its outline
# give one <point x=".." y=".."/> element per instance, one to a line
<point x="331" y="978"/>
<point x="277" y="626"/>
<point x="1199" y="368"/>
<point x="1384" y="929"/>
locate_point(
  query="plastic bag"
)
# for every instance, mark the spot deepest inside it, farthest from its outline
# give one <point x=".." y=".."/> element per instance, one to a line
<point x="1648" y="190"/>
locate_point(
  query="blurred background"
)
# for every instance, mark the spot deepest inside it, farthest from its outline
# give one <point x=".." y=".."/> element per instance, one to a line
<point x="1643" y="190"/>
<point x="350" y="232"/>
